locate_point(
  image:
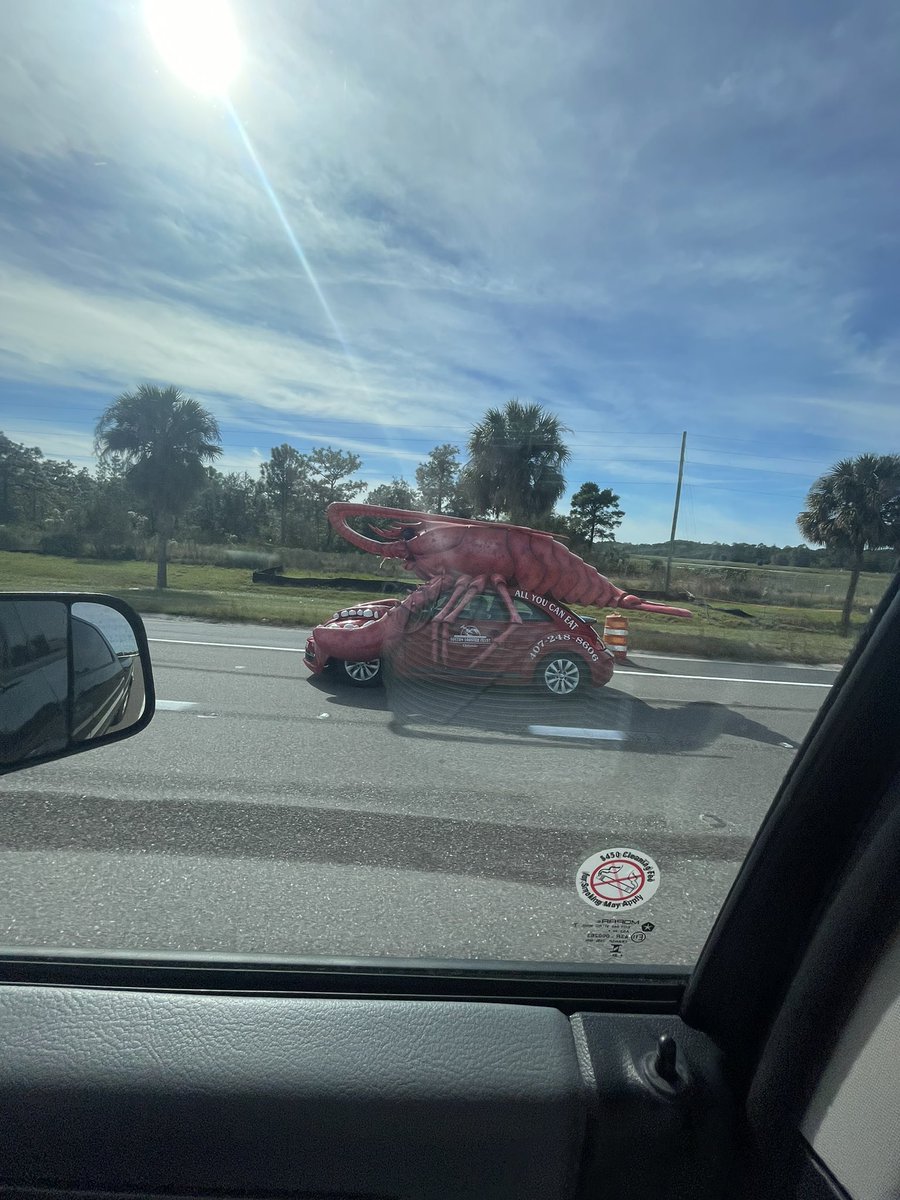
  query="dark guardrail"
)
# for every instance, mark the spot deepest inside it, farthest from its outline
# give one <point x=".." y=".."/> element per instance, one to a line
<point x="391" y="587"/>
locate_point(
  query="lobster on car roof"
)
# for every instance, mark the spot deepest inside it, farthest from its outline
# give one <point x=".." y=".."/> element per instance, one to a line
<point x="471" y="556"/>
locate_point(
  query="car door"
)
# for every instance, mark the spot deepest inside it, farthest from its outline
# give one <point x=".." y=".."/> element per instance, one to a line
<point x="532" y="639"/>
<point x="477" y="642"/>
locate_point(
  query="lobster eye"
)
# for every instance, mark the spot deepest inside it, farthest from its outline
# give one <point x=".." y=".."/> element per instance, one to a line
<point x="407" y="534"/>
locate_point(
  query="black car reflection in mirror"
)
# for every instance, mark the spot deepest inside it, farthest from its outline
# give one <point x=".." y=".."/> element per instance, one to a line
<point x="102" y="681"/>
<point x="42" y="709"/>
<point x="34" y="679"/>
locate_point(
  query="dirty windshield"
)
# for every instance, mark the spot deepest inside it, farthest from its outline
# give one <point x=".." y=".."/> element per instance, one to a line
<point x="491" y="410"/>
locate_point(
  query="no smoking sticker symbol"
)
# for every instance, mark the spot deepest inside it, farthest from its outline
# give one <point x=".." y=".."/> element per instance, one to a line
<point x="617" y="878"/>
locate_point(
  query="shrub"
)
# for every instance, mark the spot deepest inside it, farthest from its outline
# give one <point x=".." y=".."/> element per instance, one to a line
<point x="65" y="545"/>
<point x="116" y="553"/>
<point x="16" y="540"/>
<point x="253" y="560"/>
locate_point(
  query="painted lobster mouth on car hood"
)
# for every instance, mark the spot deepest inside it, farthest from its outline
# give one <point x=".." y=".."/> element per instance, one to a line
<point x="354" y="634"/>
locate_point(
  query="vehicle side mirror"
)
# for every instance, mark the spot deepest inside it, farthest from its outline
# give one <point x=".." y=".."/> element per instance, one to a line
<point x="74" y="674"/>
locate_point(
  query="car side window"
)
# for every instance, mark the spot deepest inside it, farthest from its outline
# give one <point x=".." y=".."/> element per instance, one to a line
<point x="91" y="650"/>
<point x="527" y="612"/>
<point x="486" y="607"/>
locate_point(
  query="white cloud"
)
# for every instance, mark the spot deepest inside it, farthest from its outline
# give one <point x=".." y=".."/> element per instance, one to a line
<point x="647" y="224"/>
<point x="59" y="334"/>
<point x="60" y="443"/>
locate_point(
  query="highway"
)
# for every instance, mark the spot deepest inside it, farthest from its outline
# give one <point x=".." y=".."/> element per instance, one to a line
<point x="265" y="812"/>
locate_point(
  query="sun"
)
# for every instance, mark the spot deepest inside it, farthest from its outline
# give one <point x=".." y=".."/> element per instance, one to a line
<point x="199" y="41"/>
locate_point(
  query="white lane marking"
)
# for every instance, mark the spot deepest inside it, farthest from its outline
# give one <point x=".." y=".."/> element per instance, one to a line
<point x="681" y="658"/>
<point x="175" y="705"/>
<point x="226" y="645"/>
<point x="602" y="735"/>
<point x="724" y="679"/>
<point x="667" y="675"/>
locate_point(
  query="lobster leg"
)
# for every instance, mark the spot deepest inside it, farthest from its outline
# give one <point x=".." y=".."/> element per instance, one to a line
<point x="466" y="588"/>
<point x="495" y="644"/>
<point x="418" y="600"/>
<point x="498" y="582"/>
<point x="459" y="586"/>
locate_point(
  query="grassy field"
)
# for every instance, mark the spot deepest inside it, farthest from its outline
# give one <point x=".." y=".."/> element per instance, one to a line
<point x="220" y="593"/>
<point x="796" y="587"/>
<point x="770" y="633"/>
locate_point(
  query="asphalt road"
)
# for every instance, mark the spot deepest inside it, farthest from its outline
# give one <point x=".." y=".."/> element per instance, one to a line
<point x="268" y="813"/>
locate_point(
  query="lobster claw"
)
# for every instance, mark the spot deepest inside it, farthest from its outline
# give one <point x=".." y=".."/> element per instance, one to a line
<point x="393" y="533"/>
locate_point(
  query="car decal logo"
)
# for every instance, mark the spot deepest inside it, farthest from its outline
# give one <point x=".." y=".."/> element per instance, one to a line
<point x="469" y="635"/>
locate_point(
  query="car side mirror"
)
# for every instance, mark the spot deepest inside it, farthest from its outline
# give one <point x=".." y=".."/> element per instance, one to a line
<point x="74" y="674"/>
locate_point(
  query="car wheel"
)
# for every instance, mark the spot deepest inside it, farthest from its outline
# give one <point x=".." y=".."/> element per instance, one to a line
<point x="360" y="674"/>
<point x="562" y="675"/>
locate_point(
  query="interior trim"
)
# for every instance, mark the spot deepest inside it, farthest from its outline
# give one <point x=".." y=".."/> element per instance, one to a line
<point x="862" y="920"/>
<point x="570" y="987"/>
<point x="253" y="1096"/>
<point x="812" y="831"/>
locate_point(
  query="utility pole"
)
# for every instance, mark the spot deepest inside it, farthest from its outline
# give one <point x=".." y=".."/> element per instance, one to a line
<point x="675" y="513"/>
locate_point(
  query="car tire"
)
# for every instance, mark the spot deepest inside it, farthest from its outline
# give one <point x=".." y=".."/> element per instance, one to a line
<point x="561" y="676"/>
<point x="360" y="674"/>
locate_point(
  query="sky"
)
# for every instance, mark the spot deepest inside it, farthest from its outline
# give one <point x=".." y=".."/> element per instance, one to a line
<point x="648" y="217"/>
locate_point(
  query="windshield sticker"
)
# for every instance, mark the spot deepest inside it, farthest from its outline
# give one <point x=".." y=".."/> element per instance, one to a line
<point x="617" y="879"/>
<point x="618" y="935"/>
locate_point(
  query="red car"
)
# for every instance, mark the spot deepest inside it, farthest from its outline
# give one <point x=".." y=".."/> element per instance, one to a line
<point x="553" y="647"/>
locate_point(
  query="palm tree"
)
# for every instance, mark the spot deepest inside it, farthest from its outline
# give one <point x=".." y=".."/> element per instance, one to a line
<point x="516" y="458"/>
<point x="854" y="507"/>
<point x="164" y="438"/>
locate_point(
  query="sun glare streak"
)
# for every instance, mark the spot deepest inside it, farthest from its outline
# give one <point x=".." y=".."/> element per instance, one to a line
<point x="199" y="42"/>
<point x="292" y="238"/>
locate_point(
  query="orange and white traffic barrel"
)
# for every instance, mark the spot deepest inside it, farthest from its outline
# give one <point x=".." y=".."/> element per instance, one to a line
<point x="615" y="634"/>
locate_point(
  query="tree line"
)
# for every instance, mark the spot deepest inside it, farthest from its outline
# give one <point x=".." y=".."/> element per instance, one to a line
<point x="156" y="478"/>
<point x="760" y="554"/>
<point x="156" y="449"/>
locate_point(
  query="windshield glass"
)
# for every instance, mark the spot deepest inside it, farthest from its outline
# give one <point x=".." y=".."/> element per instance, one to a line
<point x="491" y="410"/>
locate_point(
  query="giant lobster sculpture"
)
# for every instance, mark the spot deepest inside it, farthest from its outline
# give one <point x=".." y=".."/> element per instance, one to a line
<point x="466" y="557"/>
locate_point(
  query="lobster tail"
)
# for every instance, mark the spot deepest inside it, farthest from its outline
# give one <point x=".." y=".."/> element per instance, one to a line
<point x="573" y="581"/>
<point x="634" y="602"/>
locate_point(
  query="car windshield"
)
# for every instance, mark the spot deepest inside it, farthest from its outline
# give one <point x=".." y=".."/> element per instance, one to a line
<point x="490" y="410"/>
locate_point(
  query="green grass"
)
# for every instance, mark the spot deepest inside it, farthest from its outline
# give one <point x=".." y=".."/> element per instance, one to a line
<point x="218" y="593"/>
<point x="772" y="633"/>
<point x="804" y="586"/>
